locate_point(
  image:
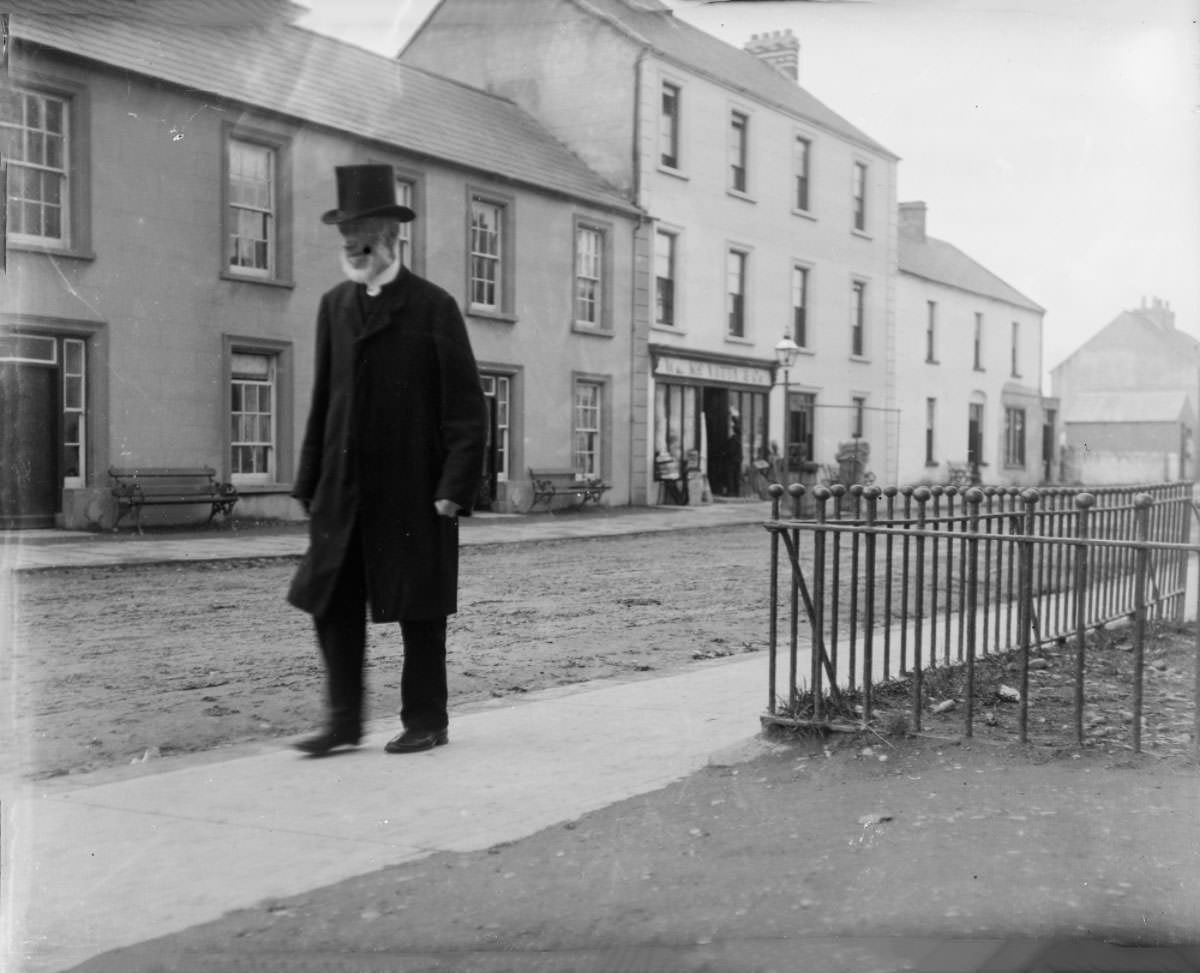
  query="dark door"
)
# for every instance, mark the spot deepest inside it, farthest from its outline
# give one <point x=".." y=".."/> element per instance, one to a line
<point x="717" y="430"/>
<point x="28" y="445"/>
<point x="975" y="436"/>
<point x="1048" y="447"/>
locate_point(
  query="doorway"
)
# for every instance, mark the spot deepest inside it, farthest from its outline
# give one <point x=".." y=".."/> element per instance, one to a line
<point x="29" y="444"/>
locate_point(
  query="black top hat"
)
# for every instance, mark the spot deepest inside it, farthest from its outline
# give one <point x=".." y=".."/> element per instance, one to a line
<point x="368" y="190"/>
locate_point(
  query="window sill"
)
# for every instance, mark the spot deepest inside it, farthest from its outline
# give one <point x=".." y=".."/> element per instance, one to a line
<point x="674" y="173"/>
<point x="740" y="194"/>
<point x="932" y="464"/>
<point x="932" y="361"/>
<point x="262" y="489"/>
<point x="861" y="234"/>
<point x="499" y="317"/>
<point x="593" y="330"/>
<point x="667" y="328"/>
<point x="978" y="368"/>
<point x="732" y="339"/>
<point x="268" y="281"/>
<point x="804" y="214"/>
<point x="860" y="359"/>
<point x="17" y="247"/>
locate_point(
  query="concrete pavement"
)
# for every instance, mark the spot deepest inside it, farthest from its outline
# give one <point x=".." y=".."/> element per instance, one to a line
<point x="117" y="857"/>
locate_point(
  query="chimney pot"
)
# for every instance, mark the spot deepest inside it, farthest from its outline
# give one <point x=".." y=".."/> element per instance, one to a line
<point x="778" y="48"/>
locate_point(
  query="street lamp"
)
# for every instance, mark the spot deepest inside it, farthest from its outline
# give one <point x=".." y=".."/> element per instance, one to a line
<point x="785" y="353"/>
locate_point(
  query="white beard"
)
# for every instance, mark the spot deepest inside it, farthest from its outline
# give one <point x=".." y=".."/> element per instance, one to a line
<point x="381" y="257"/>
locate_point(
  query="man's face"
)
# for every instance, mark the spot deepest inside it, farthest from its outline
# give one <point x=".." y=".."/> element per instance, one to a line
<point x="368" y="247"/>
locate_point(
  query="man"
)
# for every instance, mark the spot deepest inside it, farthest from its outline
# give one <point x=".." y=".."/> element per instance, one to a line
<point x="392" y="456"/>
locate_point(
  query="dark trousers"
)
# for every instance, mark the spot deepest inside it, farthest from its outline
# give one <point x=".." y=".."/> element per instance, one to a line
<point x="342" y="633"/>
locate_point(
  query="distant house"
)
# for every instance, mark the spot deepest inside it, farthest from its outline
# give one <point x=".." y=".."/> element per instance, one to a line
<point x="1129" y="400"/>
<point x="969" y="368"/>
<point x="167" y="169"/>
<point x="769" y="215"/>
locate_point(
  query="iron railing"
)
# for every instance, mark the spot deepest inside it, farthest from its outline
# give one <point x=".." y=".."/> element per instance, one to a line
<point x="904" y="580"/>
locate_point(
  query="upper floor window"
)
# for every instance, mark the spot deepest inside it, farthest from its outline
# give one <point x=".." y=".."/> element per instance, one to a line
<point x="801" y="155"/>
<point x="664" y="277"/>
<point x="34" y="143"/>
<point x="860" y="196"/>
<point x="858" y="299"/>
<point x="589" y="275"/>
<point x="977" y="343"/>
<point x="404" y="196"/>
<point x="931" y="331"/>
<point x="253" y="240"/>
<point x="1016" y="349"/>
<point x="736" y="290"/>
<point x="668" y="126"/>
<point x="738" y="130"/>
<point x="800" y="305"/>
<point x="487" y="237"/>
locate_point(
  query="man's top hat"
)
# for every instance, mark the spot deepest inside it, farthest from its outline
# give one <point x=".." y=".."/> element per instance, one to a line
<point x="368" y="190"/>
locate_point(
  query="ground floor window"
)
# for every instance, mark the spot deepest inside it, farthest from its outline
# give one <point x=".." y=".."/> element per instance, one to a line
<point x="801" y="414"/>
<point x="1014" y="437"/>
<point x="497" y="389"/>
<point x="74" y="407"/>
<point x="589" y="404"/>
<point x="252" y="413"/>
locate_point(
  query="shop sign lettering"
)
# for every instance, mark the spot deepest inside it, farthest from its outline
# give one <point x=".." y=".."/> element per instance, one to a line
<point x="709" y="371"/>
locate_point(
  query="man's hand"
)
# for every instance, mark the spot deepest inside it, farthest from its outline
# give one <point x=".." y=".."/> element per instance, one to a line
<point x="446" y="508"/>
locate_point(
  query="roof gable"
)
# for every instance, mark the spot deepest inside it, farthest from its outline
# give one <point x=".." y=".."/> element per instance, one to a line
<point x="1152" y="338"/>
<point x="302" y="74"/>
<point x="941" y="262"/>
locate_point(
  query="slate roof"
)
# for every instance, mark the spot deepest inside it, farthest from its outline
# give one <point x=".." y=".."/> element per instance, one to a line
<point x="1159" y="341"/>
<point x="274" y="65"/>
<point x="1132" y="406"/>
<point x="943" y="263"/>
<point x="657" y="28"/>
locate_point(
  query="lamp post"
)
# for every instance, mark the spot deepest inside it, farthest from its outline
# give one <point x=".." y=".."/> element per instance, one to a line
<point x="785" y="353"/>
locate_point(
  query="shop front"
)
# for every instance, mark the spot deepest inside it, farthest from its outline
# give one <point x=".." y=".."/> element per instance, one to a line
<point x="710" y="424"/>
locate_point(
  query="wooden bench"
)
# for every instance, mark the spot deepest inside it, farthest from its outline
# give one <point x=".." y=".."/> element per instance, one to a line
<point x="142" y="486"/>
<point x="548" y="484"/>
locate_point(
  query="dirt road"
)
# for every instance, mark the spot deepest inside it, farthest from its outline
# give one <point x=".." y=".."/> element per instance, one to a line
<point x="115" y="665"/>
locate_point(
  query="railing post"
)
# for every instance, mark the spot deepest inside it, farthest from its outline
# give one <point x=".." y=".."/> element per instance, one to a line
<point x="1025" y="605"/>
<point x="871" y="495"/>
<point x="856" y="492"/>
<point x="889" y="492"/>
<point x="795" y="491"/>
<point x="1083" y="503"/>
<point x="921" y="495"/>
<point x="821" y="494"/>
<point x="1141" y="506"/>
<point x="775" y="491"/>
<point x="973" y="498"/>
<point x="905" y="545"/>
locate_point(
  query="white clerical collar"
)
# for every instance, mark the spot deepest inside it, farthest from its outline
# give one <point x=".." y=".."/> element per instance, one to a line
<point x="384" y="277"/>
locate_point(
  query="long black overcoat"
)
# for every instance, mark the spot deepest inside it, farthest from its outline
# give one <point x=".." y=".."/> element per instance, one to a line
<point x="397" y="421"/>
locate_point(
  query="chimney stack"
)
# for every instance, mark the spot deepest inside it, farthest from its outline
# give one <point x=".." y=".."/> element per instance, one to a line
<point x="912" y="221"/>
<point x="778" y="48"/>
<point x="1160" y="313"/>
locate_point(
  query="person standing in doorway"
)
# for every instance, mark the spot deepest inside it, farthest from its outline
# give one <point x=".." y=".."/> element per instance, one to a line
<point x="391" y="458"/>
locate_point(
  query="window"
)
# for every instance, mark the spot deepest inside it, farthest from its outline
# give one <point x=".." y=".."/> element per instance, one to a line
<point x="252" y="205"/>
<point x="860" y="196"/>
<point x="931" y="331"/>
<point x="858" y="406"/>
<point x="499" y="389"/>
<point x="857" y="318"/>
<point x="1016" y="349"/>
<point x="668" y="126"/>
<point x="486" y="256"/>
<point x="978" y="342"/>
<point x="74" y="397"/>
<point x="736" y="288"/>
<point x="664" y="277"/>
<point x="404" y="196"/>
<point x="588" y="405"/>
<point x="252" y="415"/>
<point x="1014" y="437"/>
<point x="738" y="124"/>
<point x="589" y="279"/>
<point x="34" y="143"/>
<point x="802" y="408"/>
<point x="802" y="151"/>
<point x="930" y="425"/>
<point x="800" y="305"/>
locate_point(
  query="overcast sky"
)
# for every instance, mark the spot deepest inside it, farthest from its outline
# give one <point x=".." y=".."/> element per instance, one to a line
<point x="1057" y="142"/>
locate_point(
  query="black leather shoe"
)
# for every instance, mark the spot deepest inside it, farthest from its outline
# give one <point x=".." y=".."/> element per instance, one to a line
<point x="414" y="741"/>
<point x="322" y="743"/>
